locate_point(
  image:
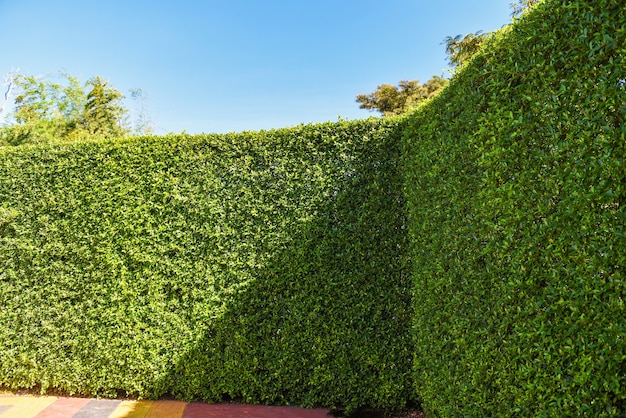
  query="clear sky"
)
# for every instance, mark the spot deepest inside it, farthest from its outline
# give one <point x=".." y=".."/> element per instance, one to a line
<point x="235" y="65"/>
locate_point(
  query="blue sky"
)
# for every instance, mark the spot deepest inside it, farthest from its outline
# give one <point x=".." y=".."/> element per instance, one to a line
<point x="235" y="65"/>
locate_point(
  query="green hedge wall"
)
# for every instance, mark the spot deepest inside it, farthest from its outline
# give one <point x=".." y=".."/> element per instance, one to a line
<point x="288" y="266"/>
<point x="516" y="189"/>
<point x="267" y="266"/>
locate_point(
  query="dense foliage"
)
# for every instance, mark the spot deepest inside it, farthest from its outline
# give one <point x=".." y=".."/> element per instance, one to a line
<point x="516" y="186"/>
<point x="395" y="100"/>
<point x="265" y="266"/>
<point x="46" y="110"/>
<point x="469" y="255"/>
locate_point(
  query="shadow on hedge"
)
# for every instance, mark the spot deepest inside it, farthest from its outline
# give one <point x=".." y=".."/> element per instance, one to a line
<point x="326" y="321"/>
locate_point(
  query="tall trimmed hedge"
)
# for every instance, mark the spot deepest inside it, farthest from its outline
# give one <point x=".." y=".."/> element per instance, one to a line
<point x="516" y="188"/>
<point x="268" y="267"/>
<point x="470" y="255"/>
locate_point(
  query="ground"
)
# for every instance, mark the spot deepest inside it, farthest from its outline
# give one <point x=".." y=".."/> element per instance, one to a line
<point x="377" y="413"/>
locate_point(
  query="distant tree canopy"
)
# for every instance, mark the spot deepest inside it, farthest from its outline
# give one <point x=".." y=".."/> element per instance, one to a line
<point x="103" y="113"/>
<point x="393" y="100"/>
<point x="460" y="49"/>
<point x="520" y="7"/>
<point x="50" y="111"/>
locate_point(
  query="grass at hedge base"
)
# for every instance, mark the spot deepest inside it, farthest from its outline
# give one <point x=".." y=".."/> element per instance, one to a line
<point x="268" y="267"/>
<point x="516" y="186"/>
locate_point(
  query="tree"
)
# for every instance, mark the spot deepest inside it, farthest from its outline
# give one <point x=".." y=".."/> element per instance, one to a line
<point x="8" y="84"/>
<point x="522" y="6"/>
<point x="392" y="100"/>
<point x="103" y="112"/>
<point x="44" y="110"/>
<point x="143" y="124"/>
<point x="460" y="49"/>
<point x="50" y="111"/>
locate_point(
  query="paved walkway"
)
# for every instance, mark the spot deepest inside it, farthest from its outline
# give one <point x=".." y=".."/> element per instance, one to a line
<point x="26" y="406"/>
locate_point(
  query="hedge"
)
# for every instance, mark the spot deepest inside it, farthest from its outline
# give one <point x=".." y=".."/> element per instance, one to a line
<point x="469" y="255"/>
<point x="516" y="189"/>
<point x="268" y="267"/>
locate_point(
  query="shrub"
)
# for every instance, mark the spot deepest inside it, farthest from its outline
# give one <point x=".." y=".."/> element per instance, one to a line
<point x="265" y="266"/>
<point x="516" y="194"/>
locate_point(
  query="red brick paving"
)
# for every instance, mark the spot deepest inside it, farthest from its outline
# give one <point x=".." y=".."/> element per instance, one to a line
<point x="16" y="406"/>
<point x="63" y="408"/>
